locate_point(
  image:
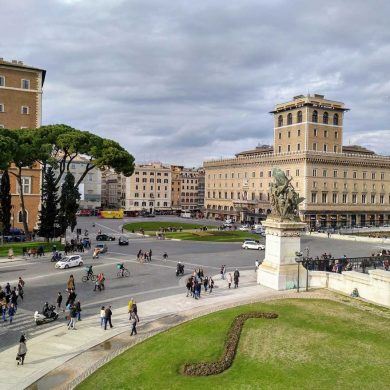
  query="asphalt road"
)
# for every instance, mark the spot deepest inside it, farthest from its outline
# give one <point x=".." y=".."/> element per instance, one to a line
<point x="147" y="281"/>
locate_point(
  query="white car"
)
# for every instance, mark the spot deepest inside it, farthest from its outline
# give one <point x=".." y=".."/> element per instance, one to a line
<point x="244" y="228"/>
<point x="253" y="245"/>
<point x="70" y="261"/>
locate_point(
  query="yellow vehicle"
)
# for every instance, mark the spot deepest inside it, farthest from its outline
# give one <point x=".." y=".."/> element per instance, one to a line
<point x="111" y="214"/>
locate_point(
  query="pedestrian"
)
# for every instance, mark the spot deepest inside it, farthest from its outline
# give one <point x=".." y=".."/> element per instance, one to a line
<point x="14" y="299"/>
<point x="133" y="322"/>
<point x="10" y="253"/>
<point x="20" y="291"/>
<point x="11" y="312"/>
<point x="205" y="283"/>
<point x="257" y="263"/>
<point x="73" y="318"/>
<point x="107" y="317"/>
<point x="78" y="310"/>
<point x="21" y="281"/>
<point x="59" y="300"/>
<point x="150" y="255"/>
<point x="4" y="311"/>
<point x="102" y="280"/>
<point x="229" y="279"/>
<point x="236" y="277"/>
<point x="102" y="315"/>
<point x="211" y="284"/>
<point x="134" y="309"/>
<point x="70" y="283"/>
<point x="22" y="350"/>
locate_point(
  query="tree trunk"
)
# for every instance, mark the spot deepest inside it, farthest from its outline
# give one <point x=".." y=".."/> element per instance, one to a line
<point x="21" y="197"/>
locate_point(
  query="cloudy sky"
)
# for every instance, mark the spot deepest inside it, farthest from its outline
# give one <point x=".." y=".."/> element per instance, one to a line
<point x="184" y="81"/>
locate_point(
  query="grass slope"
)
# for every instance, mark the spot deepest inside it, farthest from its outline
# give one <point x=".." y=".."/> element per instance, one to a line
<point x="314" y="344"/>
<point x="155" y="226"/>
<point x="214" y="235"/>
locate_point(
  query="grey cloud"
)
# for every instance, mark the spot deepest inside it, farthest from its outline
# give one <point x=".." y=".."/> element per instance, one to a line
<point x="183" y="81"/>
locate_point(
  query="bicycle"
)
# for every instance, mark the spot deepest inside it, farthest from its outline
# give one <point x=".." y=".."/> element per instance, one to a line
<point x="126" y="273"/>
<point x="87" y="277"/>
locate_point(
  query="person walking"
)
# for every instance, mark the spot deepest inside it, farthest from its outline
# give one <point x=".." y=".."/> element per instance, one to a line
<point x="59" y="300"/>
<point x="211" y="284"/>
<point x="10" y="253"/>
<point x="22" y="350"/>
<point x="73" y="318"/>
<point x="150" y="255"/>
<point x="4" y="311"/>
<point x="236" y="278"/>
<point x="102" y="315"/>
<point x="14" y="298"/>
<point x="20" y="291"/>
<point x="205" y="283"/>
<point x="229" y="279"/>
<point x="133" y="322"/>
<point x="134" y="310"/>
<point x="189" y="285"/>
<point x="107" y="317"/>
<point x="70" y="285"/>
<point x="78" y="310"/>
<point x="11" y="312"/>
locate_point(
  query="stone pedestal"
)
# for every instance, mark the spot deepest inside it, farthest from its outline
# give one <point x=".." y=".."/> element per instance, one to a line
<point x="279" y="269"/>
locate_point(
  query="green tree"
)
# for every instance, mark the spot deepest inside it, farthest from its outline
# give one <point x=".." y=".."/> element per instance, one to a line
<point x="69" y="204"/>
<point x="5" y="203"/>
<point x="48" y="224"/>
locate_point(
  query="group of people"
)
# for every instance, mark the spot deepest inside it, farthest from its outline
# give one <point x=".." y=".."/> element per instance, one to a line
<point x="144" y="256"/>
<point x="231" y="278"/>
<point x="77" y="245"/>
<point x="195" y="282"/>
<point x="9" y="300"/>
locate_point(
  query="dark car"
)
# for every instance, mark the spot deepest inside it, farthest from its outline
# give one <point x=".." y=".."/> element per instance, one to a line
<point x="104" y="237"/>
<point x="123" y="241"/>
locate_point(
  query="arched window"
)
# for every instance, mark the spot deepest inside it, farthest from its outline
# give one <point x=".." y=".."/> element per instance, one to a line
<point x="299" y="116"/>
<point x="231" y="208"/>
<point x="219" y="207"/>
<point x="325" y="117"/>
<point x="289" y="119"/>
<point x="314" y="117"/>
<point x="225" y="208"/>
<point x="336" y="119"/>
<point x="20" y="216"/>
<point x="280" y="120"/>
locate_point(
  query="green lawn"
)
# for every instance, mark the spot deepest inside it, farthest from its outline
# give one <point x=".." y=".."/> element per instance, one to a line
<point x="155" y="226"/>
<point x="214" y="235"/>
<point x="314" y="344"/>
<point x="17" y="247"/>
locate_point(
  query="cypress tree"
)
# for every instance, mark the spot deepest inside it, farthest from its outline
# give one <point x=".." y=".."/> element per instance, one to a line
<point x="5" y="203"/>
<point x="48" y="224"/>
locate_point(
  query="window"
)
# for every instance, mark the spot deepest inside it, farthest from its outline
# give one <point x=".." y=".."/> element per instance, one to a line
<point x="314" y="145"/>
<point x="345" y="198"/>
<point x="24" y="110"/>
<point x="334" y="197"/>
<point x="90" y="176"/>
<point x="335" y="148"/>
<point x="382" y="176"/>
<point x="381" y="199"/>
<point x="280" y="120"/>
<point x="314" y="184"/>
<point x="26" y="185"/>
<point x="288" y="148"/>
<point x="2" y="109"/>
<point x="289" y="119"/>
<point x="314" y="117"/>
<point x="324" y="197"/>
<point x="336" y="134"/>
<point x="373" y="175"/>
<point x="325" y="147"/>
<point x="354" y="175"/>
<point x="373" y="198"/>
<point x="345" y="174"/>
<point x="2" y="81"/>
<point x="20" y="216"/>
<point x="288" y="173"/>
<point x="336" y="119"/>
<point x="334" y="173"/>
<point x="314" y="172"/>
<point x="315" y="132"/>
<point x="289" y="134"/>
<point x="363" y="198"/>
<point x="25" y="84"/>
<point x="279" y="149"/>
<point x="325" y="117"/>
<point x="299" y="117"/>
<point x="137" y="179"/>
<point x="280" y="135"/>
<point x="297" y="172"/>
<point x="269" y="173"/>
<point x="253" y="174"/>
<point x="324" y="173"/>
<point x="314" y="197"/>
<point x="299" y="132"/>
<point x="261" y="174"/>
<point x="298" y="147"/>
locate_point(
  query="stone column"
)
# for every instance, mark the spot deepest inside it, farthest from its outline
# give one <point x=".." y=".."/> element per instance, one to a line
<point x="279" y="269"/>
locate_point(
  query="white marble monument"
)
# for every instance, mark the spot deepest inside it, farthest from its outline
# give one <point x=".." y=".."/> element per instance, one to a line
<point x="279" y="270"/>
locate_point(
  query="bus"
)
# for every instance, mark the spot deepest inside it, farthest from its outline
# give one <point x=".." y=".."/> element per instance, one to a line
<point x="111" y="214"/>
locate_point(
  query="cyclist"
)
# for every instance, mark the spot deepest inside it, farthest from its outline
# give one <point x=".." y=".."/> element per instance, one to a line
<point x="121" y="268"/>
<point x="89" y="271"/>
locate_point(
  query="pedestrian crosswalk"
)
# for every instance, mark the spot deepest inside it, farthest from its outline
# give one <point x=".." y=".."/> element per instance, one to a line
<point x="23" y="322"/>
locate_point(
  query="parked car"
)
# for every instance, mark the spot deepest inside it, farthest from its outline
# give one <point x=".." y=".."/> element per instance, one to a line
<point x="123" y="241"/>
<point x="253" y="245"/>
<point x="104" y="237"/>
<point x="103" y="248"/>
<point x="244" y="228"/>
<point x="69" y="261"/>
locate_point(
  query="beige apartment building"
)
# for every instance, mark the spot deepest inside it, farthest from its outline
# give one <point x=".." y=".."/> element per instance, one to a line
<point x="342" y="185"/>
<point x="21" y="107"/>
<point x="113" y="190"/>
<point x="149" y="188"/>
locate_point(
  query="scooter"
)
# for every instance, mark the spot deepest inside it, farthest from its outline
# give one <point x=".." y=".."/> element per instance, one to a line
<point x="50" y="316"/>
<point x="180" y="269"/>
<point x="56" y="257"/>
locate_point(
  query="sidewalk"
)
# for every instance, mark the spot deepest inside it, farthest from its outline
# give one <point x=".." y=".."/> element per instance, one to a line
<point x="48" y="352"/>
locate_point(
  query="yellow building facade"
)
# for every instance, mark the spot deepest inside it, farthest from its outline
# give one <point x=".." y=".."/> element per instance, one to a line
<point x="342" y="185"/>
